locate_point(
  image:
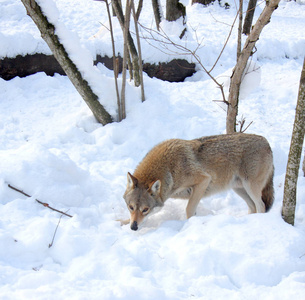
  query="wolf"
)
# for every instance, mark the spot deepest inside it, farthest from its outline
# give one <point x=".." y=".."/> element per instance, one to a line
<point x="193" y="169"/>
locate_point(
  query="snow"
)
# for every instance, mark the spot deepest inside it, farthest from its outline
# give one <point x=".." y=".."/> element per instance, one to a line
<point x="52" y="148"/>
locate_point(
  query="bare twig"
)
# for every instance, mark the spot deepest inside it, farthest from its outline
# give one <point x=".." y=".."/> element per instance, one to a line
<point x="220" y="101"/>
<point x="246" y="127"/>
<point x="166" y="41"/>
<point x="226" y="42"/>
<point x="36" y="269"/>
<point x="242" y="123"/>
<point x="104" y="25"/>
<point x="40" y="202"/>
<point x="51" y="244"/>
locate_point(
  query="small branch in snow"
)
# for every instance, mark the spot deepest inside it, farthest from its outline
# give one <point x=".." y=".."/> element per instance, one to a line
<point x="40" y="202"/>
<point x="37" y="268"/>
<point x="50" y="245"/>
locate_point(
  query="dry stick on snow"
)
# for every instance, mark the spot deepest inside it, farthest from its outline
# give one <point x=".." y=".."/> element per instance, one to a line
<point x="51" y="244"/>
<point x="40" y="202"/>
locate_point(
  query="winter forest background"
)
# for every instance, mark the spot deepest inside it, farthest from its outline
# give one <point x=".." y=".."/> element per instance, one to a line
<point x="53" y="149"/>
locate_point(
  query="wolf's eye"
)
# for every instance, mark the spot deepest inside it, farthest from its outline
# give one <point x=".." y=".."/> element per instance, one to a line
<point x="130" y="207"/>
<point x="145" y="210"/>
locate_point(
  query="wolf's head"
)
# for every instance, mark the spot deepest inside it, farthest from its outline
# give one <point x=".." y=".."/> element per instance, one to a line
<point x="141" y="200"/>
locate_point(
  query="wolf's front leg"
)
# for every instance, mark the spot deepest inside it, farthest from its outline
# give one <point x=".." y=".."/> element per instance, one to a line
<point x="198" y="191"/>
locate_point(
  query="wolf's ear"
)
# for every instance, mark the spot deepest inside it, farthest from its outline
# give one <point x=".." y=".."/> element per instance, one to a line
<point x="155" y="187"/>
<point x="132" y="182"/>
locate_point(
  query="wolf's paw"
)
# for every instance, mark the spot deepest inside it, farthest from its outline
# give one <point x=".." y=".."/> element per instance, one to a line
<point x="123" y="222"/>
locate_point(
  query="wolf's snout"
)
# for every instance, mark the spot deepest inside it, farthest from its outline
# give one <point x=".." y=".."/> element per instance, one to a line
<point x="134" y="225"/>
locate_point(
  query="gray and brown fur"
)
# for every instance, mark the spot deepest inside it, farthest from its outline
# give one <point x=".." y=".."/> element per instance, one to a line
<point x="198" y="168"/>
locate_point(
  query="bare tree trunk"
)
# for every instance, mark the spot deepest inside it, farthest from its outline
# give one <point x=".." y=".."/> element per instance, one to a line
<point x="204" y="2"/>
<point x="303" y="166"/>
<point x="115" y="65"/>
<point x="47" y="31"/>
<point x="297" y="139"/>
<point x="140" y="5"/>
<point x="131" y="47"/>
<point x="174" y="10"/>
<point x="157" y="12"/>
<point x="113" y="10"/>
<point x="126" y="30"/>
<point x="249" y="17"/>
<point x="240" y="24"/>
<point x="139" y="50"/>
<point x="238" y="71"/>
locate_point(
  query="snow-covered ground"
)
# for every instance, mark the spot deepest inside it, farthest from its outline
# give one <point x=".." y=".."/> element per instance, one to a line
<point x="52" y="148"/>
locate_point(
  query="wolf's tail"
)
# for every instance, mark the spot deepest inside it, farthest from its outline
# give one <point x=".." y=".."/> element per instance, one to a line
<point x="268" y="192"/>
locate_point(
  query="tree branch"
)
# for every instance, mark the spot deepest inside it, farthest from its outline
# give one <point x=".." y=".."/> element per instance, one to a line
<point x="51" y="244"/>
<point x="40" y="202"/>
<point x="166" y="41"/>
<point x="238" y="71"/>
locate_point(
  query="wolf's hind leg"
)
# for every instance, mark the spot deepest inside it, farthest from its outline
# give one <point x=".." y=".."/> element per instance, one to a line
<point x="243" y="194"/>
<point x="198" y="191"/>
<point x="255" y="192"/>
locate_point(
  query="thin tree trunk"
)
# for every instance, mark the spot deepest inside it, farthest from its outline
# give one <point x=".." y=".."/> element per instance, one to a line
<point x="115" y="65"/>
<point x="140" y="5"/>
<point x="47" y="31"/>
<point x="297" y="139"/>
<point x="139" y="50"/>
<point x="113" y="10"/>
<point x="157" y="12"/>
<point x="204" y="2"/>
<point x="126" y="30"/>
<point x="131" y="46"/>
<point x="238" y="71"/>
<point x="303" y="166"/>
<point x="174" y="10"/>
<point x="240" y="24"/>
<point x="249" y="17"/>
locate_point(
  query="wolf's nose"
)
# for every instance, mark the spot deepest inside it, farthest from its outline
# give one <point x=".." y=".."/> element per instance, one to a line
<point x="134" y="225"/>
